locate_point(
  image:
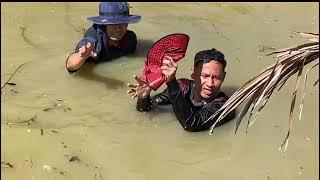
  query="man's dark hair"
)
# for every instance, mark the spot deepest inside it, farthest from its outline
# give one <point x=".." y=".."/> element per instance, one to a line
<point x="207" y="56"/>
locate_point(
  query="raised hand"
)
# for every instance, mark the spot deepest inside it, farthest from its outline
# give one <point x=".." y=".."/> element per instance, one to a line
<point x="87" y="51"/>
<point x="141" y="89"/>
<point x="169" y="68"/>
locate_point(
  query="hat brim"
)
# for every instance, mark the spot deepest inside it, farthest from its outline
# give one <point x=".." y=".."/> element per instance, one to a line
<point x="131" y="19"/>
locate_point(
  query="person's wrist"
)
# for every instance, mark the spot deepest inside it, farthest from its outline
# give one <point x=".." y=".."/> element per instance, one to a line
<point x="170" y="79"/>
<point x="144" y="96"/>
<point x="147" y="92"/>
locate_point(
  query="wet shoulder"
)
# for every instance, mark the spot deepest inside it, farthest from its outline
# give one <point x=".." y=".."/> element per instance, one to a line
<point x="92" y="31"/>
<point x="220" y="99"/>
<point x="130" y="40"/>
<point x="130" y="35"/>
<point x="221" y="94"/>
<point x="185" y="84"/>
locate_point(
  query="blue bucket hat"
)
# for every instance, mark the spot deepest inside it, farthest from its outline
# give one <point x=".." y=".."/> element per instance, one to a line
<point x="114" y="13"/>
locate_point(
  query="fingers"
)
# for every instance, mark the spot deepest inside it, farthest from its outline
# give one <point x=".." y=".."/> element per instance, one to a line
<point x="132" y="85"/>
<point x="133" y="88"/>
<point x="168" y="66"/>
<point x="134" y="93"/>
<point x="134" y="96"/>
<point x="84" y="52"/>
<point x="131" y="91"/>
<point x="164" y="67"/>
<point x="165" y="70"/>
<point x="82" y="49"/>
<point x="173" y="63"/>
<point x="140" y="89"/>
<point x="138" y="80"/>
<point x="167" y="60"/>
<point x="88" y="45"/>
<point x="93" y="54"/>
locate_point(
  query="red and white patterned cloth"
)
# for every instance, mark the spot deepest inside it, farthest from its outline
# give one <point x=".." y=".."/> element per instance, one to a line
<point x="174" y="46"/>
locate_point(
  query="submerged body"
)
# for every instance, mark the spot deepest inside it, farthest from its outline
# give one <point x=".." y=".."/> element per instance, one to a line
<point x="191" y="114"/>
<point x="193" y="101"/>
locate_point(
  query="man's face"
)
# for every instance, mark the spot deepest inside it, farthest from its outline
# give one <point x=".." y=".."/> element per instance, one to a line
<point x="116" y="31"/>
<point x="208" y="79"/>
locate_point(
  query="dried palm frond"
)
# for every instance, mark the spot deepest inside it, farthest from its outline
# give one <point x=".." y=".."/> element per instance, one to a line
<point x="260" y="88"/>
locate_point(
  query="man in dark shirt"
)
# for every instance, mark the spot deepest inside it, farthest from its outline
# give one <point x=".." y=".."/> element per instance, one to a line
<point x="108" y="37"/>
<point x="193" y="101"/>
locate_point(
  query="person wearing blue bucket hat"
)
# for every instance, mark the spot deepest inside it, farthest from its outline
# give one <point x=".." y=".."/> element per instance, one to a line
<point x="108" y="38"/>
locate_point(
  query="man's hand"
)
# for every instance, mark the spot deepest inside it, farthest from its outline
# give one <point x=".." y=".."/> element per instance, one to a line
<point x="87" y="51"/>
<point x="169" y="68"/>
<point x="142" y="89"/>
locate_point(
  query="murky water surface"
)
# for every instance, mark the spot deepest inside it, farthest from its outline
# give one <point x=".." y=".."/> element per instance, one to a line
<point x="89" y="115"/>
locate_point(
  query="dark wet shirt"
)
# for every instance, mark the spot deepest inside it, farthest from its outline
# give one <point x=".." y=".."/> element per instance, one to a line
<point x="191" y="117"/>
<point x="97" y="35"/>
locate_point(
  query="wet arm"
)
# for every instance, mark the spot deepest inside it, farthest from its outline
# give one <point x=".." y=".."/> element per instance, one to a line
<point x="145" y="104"/>
<point x="75" y="61"/>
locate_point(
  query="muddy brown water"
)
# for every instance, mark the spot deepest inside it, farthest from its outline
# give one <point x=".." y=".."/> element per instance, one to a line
<point x="90" y="116"/>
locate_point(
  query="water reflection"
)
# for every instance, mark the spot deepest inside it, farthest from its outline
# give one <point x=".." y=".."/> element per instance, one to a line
<point x="28" y="40"/>
<point x="87" y="72"/>
<point x="67" y="20"/>
<point x="229" y="90"/>
<point x="104" y="128"/>
<point x="143" y="47"/>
